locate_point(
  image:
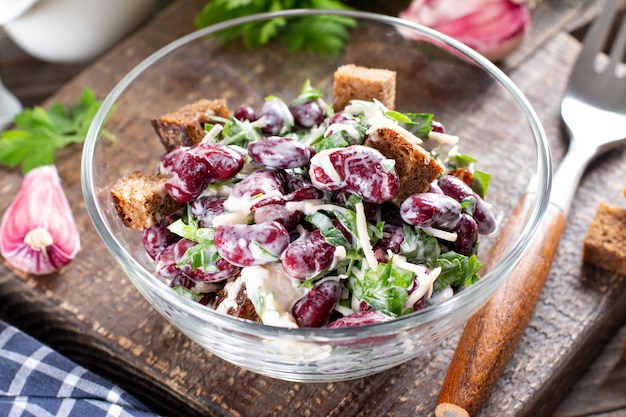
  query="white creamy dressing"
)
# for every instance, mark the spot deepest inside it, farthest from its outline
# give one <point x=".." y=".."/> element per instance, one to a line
<point x="383" y="122"/>
<point x="311" y="206"/>
<point x="340" y="253"/>
<point x="232" y="289"/>
<point x="234" y="204"/>
<point x="237" y="217"/>
<point x="342" y="127"/>
<point x="375" y="114"/>
<point x="313" y="134"/>
<point x="238" y="210"/>
<point x="443" y="138"/>
<point x="223" y="190"/>
<point x="369" y="109"/>
<point x="273" y="293"/>
<point x="323" y="160"/>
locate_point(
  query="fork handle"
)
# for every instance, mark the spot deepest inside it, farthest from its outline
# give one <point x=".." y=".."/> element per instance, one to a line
<point x="491" y="336"/>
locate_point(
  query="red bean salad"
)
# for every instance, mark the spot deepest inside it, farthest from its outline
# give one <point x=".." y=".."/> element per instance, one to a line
<point x="288" y="205"/>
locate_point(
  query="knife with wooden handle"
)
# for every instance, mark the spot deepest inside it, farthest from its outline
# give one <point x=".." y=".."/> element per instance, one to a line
<point x="491" y="336"/>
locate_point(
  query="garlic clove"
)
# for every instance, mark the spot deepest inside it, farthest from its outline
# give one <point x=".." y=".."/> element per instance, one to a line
<point x="494" y="28"/>
<point x="38" y="234"/>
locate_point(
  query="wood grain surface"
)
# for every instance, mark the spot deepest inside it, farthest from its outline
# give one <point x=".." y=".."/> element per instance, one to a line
<point x="91" y="312"/>
<point x="491" y="336"/>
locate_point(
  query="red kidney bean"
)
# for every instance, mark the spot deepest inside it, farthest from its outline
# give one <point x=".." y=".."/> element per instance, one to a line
<point x="194" y="168"/>
<point x="258" y="183"/>
<point x="466" y="235"/>
<point x="308" y="255"/>
<point x="205" y="209"/>
<point x="165" y="263"/>
<point x="315" y="308"/>
<point x="393" y="236"/>
<point x="360" y="318"/>
<point x="278" y="152"/>
<point x="357" y="169"/>
<point x="245" y="112"/>
<point x="237" y="242"/>
<point x="279" y="213"/>
<point x="457" y="189"/>
<point x="431" y="210"/>
<point x="273" y="208"/>
<point x="224" y="270"/>
<point x="343" y="118"/>
<point x="156" y="238"/>
<point x="307" y="114"/>
<point x="276" y="115"/>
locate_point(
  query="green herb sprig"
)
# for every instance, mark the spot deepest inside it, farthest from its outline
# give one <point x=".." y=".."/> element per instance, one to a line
<point x="40" y="133"/>
<point x="322" y="34"/>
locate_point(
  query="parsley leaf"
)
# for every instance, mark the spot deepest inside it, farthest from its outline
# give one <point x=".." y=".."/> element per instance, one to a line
<point x="204" y="254"/>
<point x="480" y="183"/>
<point x="418" y="246"/>
<point x="420" y="124"/>
<point x="385" y="288"/>
<point x="39" y="133"/>
<point x="236" y="132"/>
<point x="322" y="34"/>
<point x="326" y="227"/>
<point x="187" y="293"/>
<point x="308" y="93"/>
<point x="457" y="271"/>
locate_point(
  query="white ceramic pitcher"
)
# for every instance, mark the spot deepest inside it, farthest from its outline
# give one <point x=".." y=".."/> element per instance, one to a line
<point x="71" y="31"/>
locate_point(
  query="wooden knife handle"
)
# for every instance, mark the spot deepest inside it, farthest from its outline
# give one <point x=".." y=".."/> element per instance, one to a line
<point x="492" y="334"/>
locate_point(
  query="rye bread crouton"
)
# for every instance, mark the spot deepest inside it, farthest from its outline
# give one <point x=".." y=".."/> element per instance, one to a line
<point x="415" y="165"/>
<point x="185" y="126"/>
<point x="141" y="200"/>
<point x="605" y="242"/>
<point x="353" y="82"/>
<point x="238" y="305"/>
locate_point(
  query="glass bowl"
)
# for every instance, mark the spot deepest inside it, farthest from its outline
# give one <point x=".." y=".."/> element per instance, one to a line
<point x="435" y="74"/>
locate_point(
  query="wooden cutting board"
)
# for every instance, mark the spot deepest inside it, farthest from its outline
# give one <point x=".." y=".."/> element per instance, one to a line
<point x="92" y="313"/>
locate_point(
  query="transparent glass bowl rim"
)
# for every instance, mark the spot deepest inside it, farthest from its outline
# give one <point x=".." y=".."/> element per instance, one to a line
<point x="398" y="324"/>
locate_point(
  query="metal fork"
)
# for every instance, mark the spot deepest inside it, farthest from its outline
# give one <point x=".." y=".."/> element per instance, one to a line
<point x="594" y="104"/>
<point x="593" y="108"/>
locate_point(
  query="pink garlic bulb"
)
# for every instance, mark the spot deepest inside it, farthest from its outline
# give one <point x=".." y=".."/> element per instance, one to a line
<point x="38" y="234"/>
<point x="494" y="28"/>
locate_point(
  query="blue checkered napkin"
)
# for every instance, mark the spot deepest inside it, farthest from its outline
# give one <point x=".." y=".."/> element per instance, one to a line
<point x="38" y="381"/>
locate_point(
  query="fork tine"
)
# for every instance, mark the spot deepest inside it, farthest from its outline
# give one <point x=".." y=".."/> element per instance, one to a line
<point x="618" y="48"/>
<point x="596" y="36"/>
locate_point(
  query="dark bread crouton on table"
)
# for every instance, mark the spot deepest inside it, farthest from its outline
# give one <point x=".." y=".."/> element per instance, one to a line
<point x="605" y="242"/>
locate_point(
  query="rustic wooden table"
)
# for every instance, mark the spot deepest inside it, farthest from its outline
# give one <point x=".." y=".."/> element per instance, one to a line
<point x="570" y="362"/>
